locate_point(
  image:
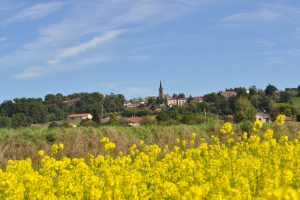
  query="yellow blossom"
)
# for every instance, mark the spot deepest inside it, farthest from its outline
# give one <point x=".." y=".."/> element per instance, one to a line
<point x="280" y="119"/>
<point x="257" y="125"/>
<point x="41" y="152"/>
<point x="227" y="129"/>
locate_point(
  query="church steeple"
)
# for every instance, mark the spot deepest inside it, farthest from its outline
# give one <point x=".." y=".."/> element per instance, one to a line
<point x="161" y="91"/>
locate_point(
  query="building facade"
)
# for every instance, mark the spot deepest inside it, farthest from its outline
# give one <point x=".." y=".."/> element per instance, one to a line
<point x="79" y="116"/>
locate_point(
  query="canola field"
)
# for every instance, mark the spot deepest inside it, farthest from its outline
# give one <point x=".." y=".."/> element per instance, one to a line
<point x="249" y="166"/>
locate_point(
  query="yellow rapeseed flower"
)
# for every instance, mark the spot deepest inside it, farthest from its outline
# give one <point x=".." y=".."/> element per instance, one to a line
<point x="257" y="125"/>
<point x="268" y="134"/>
<point x="227" y="129"/>
<point x="280" y="119"/>
<point x="104" y="140"/>
<point x="41" y="152"/>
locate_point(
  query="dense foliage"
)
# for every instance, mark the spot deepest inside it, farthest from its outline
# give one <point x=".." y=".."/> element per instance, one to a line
<point x="25" y="111"/>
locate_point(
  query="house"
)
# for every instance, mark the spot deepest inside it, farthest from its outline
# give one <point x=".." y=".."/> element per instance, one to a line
<point x="181" y="101"/>
<point x="128" y="105"/>
<point x="80" y="116"/>
<point x="134" y="103"/>
<point x="198" y="99"/>
<point x="263" y="117"/>
<point x="228" y="94"/>
<point x="176" y="102"/>
<point x="134" y="121"/>
<point x="171" y="102"/>
<point x="292" y="91"/>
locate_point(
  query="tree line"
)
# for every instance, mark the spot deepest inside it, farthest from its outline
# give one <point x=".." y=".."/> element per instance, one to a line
<point x="22" y="112"/>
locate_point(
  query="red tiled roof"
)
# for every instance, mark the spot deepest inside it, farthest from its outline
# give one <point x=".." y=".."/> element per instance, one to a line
<point x="79" y="115"/>
<point x="135" y="119"/>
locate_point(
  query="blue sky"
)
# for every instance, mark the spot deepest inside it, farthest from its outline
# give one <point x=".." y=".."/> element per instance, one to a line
<point x="128" y="46"/>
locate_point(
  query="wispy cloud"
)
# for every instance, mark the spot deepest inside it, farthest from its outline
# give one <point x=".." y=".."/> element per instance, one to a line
<point x="57" y="43"/>
<point x="36" y="11"/>
<point x="2" y="39"/>
<point x="76" y="50"/>
<point x="258" y="15"/>
<point x="264" y="43"/>
<point x="37" y="71"/>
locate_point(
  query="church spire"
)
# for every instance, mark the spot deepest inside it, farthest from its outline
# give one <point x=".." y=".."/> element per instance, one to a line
<point x="161" y="91"/>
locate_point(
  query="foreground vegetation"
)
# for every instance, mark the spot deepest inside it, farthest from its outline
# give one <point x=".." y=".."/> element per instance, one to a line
<point x="228" y="164"/>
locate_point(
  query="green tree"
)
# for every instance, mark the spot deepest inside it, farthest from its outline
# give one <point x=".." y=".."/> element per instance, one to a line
<point x="244" y="110"/>
<point x="5" y="122"/>
<point x="270" y="89"/>
<point x="285" y="97"/>
<point x="253" y="90"/>
<point x="151" y="101"/>
<point x="181" y="95"/>
<point x="212" y="98"/>
<point x="190" y="99"/>
<point x="241" y="91"/>
<point x="20" y="120"/>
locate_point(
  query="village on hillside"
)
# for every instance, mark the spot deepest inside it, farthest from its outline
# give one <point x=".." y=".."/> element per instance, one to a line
<point x="164" y="101"/>
<point x="239" y="105"/>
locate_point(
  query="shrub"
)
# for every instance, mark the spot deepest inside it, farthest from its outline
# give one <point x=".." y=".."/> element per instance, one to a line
<point x="246" y="126"/>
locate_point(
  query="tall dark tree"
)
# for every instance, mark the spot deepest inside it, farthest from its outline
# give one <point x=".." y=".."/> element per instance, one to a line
<point x="253" y="90"/>
<point x="181" y="95"/>
<point x="270" y="89"/>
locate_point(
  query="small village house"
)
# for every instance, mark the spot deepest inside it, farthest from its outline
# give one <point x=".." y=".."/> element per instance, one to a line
<point x="134" y="121"/>
<point x="128" y="105"/>
<point x="79" y="116"/>
<point x="176" y="102"/>
<point x="263" y="117"/>
<point x="135" y="103"/>
<point x="181" y="101"/>
<point x="171" y="102"/>
<point x="198" y="99"/>
<point x="228" y="94"/>
<point x="292" y="91"/>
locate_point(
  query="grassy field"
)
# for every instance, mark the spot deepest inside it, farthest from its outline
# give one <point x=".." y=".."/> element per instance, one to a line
<point x="296" y="102"/>
<point x="26" y="142"/>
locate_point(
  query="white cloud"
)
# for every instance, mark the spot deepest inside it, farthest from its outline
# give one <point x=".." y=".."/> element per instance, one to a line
<point x="265" y="43"/>
<point x="36" y="11"/>
<point x="73" y="51"/>
<point x="30" y="73"/>
<point x="58" y="42"/>
<point x="258" y="15"/>
<point x="2" y="39"/>
<point x="37" y="71"/>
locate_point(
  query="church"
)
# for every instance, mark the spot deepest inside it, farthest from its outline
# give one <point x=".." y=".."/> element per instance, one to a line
<point x="169" y="100"/>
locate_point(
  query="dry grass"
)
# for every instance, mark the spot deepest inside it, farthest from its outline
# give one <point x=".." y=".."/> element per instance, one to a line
<point x="25" y="143"/>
